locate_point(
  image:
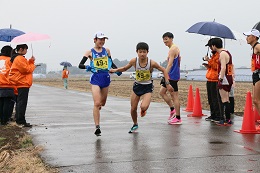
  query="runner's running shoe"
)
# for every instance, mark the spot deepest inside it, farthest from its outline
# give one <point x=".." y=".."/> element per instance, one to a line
<point x="221" y="123"/>
<point x="133" y="129"/>
<point x="229" y="123"/>
<point x="175" y="121"/>
<point x="98" y="132"/>
<point x="172" y="114"/>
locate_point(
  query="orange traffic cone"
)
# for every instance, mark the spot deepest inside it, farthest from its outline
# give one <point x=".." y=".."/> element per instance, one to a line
<point x="256" y="114"/>
<point x="190" y="101"/>
<point x="248" y="125"/>
<point x="197" y="110"/>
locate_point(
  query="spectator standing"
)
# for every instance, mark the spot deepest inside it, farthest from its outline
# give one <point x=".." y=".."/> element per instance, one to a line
<point x="212" y="82"/>
<point x="21" y="75"/>
<point x="225" y="81"/>
<point x="6" y="88"/>
<point x="65" y="76"/>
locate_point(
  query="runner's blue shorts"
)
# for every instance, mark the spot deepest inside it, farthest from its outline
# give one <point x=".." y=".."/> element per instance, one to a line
<point x="102" y="79"/>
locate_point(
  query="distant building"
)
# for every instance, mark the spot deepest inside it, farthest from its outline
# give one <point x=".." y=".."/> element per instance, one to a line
<point x="40" y="69"/>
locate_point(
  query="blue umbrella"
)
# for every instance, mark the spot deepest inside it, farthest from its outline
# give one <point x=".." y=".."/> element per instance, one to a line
<point x="7" y="34"/>
<point x="65" y="63"/>
<point x="212" y="29"/>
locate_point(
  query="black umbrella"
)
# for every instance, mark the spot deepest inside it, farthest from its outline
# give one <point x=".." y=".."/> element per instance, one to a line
<point x="257" y="26"/>
<point x="212" y="29"/>
<point x="65" y="63"/>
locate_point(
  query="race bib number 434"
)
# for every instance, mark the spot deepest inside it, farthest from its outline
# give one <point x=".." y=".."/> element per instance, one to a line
<point x="143" y="75"/>
<point x="101" y="63"/>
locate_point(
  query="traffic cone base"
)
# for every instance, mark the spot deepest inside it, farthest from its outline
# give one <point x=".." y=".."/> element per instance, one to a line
<point x="247" y="132"/>
<point x="248" y="125"/>
<point x="192" y="115"/>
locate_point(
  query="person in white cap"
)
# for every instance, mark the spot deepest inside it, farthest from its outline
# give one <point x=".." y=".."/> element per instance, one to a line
<point x="100" y="64"/>
<point x="252" y="39"/>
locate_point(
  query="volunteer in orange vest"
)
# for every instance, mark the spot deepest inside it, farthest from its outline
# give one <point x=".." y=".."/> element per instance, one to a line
<point x="65" y="75"/>
<point x="6" y="89"/>
<point x="212" y="82"/>
<point x="21" y="75"/>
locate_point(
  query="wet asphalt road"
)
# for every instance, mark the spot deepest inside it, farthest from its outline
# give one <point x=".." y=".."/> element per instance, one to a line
<point x="63" y="125"/>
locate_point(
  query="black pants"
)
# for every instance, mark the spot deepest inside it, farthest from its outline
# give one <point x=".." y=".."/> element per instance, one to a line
<point x="213" y="100"/>
<point x="4" y="109"/>
<point x="21" y="105"/>
<point x="11" y="107"/>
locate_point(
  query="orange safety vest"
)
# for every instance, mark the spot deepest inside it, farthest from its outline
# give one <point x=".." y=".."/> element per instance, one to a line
<point x="65" y="73"/>
<point x="5" y="65"/>
<point x="21" y="73"/>
<point x="212" y="72"/>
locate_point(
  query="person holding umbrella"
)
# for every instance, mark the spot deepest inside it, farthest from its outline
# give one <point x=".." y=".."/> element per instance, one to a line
<point x="21" y="75"/>
<point x="65" y="75"/>
<point x="252" y="39"/>
<point x="212" y="82"/>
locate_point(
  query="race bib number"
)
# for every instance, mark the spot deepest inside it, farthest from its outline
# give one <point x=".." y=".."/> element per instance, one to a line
<point x="143" y="75"/>
<point x="229" y="69"/>
<point x="252" y="64"/>
<point x="101" y="63"/>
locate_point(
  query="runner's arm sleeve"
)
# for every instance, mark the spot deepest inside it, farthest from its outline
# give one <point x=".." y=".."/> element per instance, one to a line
<point x="113" y="65"/>
<point x="82" y="62"/>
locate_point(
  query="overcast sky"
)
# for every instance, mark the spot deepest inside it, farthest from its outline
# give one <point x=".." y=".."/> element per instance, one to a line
<point x="71" y="25"/>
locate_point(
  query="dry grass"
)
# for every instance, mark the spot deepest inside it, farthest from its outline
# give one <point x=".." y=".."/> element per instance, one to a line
<point x="25" y="159"/>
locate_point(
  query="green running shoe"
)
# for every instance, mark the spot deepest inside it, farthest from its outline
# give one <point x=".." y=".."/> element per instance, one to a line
<point x="134" y="128"/>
